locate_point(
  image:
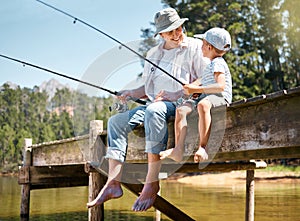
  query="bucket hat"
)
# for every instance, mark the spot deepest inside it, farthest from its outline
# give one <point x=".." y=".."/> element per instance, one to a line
<point x="217" y="37"/>
<point x="167" y="20"/>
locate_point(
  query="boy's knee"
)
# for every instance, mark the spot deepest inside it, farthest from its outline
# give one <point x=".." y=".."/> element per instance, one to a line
<point x="203" y="106"/>
<point x="180" y="112"/>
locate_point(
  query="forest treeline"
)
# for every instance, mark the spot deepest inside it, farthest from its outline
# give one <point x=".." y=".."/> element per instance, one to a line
<point x="265" y="57"/>
<point x="29" y="113"/>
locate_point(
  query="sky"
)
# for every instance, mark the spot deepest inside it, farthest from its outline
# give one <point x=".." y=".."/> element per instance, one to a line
<point x="34" y="33"/>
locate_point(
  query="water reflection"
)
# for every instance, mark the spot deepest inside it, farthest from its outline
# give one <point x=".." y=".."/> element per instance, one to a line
<point x="274" y="202"/>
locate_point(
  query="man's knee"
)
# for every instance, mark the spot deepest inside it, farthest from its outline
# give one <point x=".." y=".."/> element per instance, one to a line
<point x="156" y="108"/>
<point x="111" y="120"/>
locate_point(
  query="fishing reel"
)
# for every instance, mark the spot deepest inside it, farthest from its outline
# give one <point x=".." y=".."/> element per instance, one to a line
<point x="119" y="107"/>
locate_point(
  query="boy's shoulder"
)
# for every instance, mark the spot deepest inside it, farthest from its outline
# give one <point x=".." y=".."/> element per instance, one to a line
<point x="219" y="60"/>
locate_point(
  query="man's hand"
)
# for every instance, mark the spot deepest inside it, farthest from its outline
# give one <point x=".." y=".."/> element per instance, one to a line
<point x="167" y="96"/>
<point x="123" y="95"/>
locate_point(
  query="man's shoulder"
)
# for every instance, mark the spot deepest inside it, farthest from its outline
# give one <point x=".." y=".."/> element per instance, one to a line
<point x="153" y="50"/>
<point x="192" y="42"/>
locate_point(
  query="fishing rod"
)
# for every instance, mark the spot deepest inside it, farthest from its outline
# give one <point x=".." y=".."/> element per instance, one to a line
<point x="69" y="77"/>
<point x="112" y="38"/>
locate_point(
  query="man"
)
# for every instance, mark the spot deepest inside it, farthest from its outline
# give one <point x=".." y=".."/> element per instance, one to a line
<point x="181" y="57"/>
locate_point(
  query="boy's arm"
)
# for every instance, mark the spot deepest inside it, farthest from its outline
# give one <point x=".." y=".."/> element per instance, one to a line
<point x="197" y="82"/>
<point x="218" y="87"/>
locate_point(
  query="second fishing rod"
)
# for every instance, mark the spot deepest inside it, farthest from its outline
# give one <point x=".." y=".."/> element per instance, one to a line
<point x="112" y="38"/>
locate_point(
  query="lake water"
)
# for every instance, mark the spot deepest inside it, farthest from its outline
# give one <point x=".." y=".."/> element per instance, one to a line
<point x="273" y="202"/>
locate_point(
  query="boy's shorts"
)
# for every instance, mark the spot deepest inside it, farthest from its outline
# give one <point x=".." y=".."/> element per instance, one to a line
<point x="214" y="99"/>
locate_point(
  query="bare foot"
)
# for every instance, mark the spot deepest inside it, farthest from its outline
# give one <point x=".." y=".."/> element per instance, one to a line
<point x="200" y="155"/>
<point x="175" y="154"/>
<point x="147" y="197"/>
<point x="111" y="190"/>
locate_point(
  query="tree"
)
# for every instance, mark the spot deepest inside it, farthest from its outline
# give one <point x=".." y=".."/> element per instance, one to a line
<point x="291" y="20"/>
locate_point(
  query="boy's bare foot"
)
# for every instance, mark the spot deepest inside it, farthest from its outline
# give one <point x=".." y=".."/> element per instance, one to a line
<point x="200" y="155"/>
<point x="147" y="197"/>
<point x="111" y="190"/>
<point x="175" y="154"/>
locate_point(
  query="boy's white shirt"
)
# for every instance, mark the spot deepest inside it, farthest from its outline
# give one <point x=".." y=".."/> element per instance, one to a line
<point x="218" y="65"/>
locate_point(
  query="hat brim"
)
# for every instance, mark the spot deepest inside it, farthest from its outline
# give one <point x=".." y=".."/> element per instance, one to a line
<point x="173" y="26"/>
<point x="201" y="36"/>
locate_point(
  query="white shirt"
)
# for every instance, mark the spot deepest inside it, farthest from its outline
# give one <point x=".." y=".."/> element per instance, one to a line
<point x="185" y="63"/>
<point x="218" y="65"/>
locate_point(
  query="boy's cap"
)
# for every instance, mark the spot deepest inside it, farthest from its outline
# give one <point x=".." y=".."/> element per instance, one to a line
<point x="167" y="20"/>
<point x="217" y="37"/>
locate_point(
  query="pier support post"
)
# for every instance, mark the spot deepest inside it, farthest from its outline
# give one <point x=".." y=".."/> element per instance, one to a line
<point x="249" y="215"/>
<point x="25" y="189"/>
<point x="96" y="180"/>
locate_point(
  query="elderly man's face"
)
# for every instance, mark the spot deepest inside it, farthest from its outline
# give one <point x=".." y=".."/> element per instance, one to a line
<point x="173" y="38"/>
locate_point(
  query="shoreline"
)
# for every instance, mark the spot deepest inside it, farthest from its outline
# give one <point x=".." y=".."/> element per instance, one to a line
<point x="238" y="177"/>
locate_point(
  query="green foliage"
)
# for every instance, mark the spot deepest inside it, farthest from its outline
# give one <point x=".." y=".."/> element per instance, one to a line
<point x="28" y="113"/>
<point x="265" y="55"/>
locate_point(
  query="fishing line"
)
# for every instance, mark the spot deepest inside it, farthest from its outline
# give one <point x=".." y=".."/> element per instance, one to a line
<point x="69" y="77"/>
<point x="112" y="38"/>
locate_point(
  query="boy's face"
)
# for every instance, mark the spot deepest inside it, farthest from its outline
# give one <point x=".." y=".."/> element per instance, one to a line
<point x="206" y="49"/>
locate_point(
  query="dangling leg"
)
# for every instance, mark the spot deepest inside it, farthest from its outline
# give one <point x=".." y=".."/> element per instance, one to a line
<point x="156" y="130"/>
<point x="180" y="126"/>
<point x="112" y="189"/>
<point x="151" y="186"/>
<point x="118" y="129"/>
<point x="204" y="126"/>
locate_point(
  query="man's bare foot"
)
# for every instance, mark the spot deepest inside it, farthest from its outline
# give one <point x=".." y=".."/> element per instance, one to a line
<point x="175" y="154"/>
<point x="111" y="190"/>
<point x="147" y="197"/>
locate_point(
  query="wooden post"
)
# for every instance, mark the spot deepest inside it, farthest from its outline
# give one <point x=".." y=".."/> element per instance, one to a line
<point x="249" y="216"/>
<point x="25" y="189"/>
<point x="96" y="180"/>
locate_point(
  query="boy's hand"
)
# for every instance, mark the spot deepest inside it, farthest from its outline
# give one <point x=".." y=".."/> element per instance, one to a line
<point x="191" y="89"/>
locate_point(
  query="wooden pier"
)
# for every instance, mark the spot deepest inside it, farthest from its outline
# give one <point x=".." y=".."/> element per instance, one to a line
<point x="251" y="131"/>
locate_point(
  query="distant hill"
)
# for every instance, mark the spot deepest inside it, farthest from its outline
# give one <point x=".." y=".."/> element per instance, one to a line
<point x="51" y="86"/>
<point x="11" y="85"/>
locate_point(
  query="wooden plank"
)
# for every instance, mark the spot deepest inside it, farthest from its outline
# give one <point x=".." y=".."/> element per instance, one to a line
<point x="96" y="180"/>
<point x="160" y="204"/>
<point x="56" y="176"/>
<point x="249" y="211"/>
<point x="26" y="187"/>
<point x="138" y="171"/>
<point x="69" y="151"/>
<point x="260" y="154"/>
